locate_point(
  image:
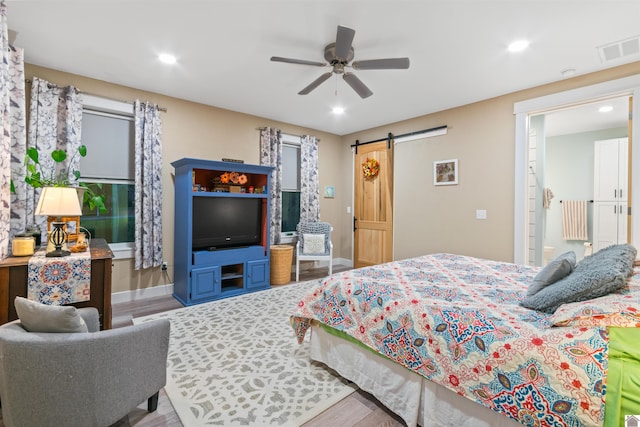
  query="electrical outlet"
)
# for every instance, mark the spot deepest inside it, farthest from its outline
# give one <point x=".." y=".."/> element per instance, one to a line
<point x="164" y="265"/>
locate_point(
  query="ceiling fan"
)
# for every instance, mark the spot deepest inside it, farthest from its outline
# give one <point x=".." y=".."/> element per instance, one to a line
<point x="339" y="56"/>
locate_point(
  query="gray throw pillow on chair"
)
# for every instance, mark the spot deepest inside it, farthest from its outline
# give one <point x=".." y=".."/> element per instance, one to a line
<point x="37" y="317"/>
<point x="557" y="269"/>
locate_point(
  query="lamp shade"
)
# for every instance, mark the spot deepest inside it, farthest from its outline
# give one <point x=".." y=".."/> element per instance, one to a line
<point x="59" y="201"/>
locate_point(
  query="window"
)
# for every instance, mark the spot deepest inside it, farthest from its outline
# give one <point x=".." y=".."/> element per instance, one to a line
<point x="290" y="187"/>
<point x="108" y="133"/>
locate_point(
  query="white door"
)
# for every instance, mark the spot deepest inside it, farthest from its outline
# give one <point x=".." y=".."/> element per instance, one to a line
<point x="622" y="222"/>
<point x="605" y="224"/>
<point x="623" y="169"/>
<point x="606" y="163"/>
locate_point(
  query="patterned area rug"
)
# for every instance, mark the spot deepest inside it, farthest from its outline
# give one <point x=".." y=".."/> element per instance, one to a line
<point x="236" y="362"/>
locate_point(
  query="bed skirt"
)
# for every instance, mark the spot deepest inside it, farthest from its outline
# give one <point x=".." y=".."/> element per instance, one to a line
<point x="415" y="399"/>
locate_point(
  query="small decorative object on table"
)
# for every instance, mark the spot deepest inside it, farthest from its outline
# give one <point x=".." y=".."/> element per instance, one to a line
<point x="23" y="244"/>
<point x="59" y="202"/>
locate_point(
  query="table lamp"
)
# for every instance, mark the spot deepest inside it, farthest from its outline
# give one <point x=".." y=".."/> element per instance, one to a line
<point x="58" y="202"/>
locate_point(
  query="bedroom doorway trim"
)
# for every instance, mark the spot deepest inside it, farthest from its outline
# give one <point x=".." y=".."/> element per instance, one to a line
<point x="523" y="110"/>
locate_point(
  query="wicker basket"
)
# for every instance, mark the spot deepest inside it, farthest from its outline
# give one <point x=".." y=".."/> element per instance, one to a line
<point x="281" y="259"/>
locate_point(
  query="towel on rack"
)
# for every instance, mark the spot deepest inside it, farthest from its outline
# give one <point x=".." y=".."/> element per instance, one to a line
<point x="547" y="195"/>
<point x="574" y="220"/>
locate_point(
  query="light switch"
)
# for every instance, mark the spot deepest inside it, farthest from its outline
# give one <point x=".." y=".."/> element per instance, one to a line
<point x="481" y="214"/>
<point x="348" y="209"/>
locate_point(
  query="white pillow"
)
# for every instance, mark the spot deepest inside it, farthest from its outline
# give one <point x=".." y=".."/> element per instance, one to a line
<point x="313" y="244"/>
<point x="36" y="317"/>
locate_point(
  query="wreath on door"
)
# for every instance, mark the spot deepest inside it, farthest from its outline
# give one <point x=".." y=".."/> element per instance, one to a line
<point x="370" y="168"/>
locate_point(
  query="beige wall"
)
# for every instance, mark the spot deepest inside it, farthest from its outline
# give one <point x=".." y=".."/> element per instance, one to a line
<point x="195" y="130"/>
<point x="433" y="219"/>
<point x="481" y="136"/>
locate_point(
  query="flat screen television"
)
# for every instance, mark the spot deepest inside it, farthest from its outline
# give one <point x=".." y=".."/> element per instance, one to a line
<point x="226" y="222"/>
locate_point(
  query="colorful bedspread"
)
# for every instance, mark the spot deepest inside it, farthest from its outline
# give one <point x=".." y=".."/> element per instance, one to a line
<point x="456" y="321"/>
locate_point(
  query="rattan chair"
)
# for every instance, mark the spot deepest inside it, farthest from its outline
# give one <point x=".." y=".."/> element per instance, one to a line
<point x="314" y="244"/>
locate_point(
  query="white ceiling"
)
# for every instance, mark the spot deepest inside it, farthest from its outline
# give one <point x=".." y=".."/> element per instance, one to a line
<point x="457" y="50"/>
<point x="588" y="117"/>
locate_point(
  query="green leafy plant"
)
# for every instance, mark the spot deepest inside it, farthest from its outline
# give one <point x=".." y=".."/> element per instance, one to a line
<point x="37" y="177"/>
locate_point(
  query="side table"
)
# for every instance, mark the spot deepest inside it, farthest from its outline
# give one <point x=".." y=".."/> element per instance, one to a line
<point x="13" y="282"/>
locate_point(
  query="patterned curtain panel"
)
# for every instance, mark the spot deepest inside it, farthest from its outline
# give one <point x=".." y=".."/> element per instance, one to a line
<point x="271" y="155"/>
<point x="55" y="122"/>
<point x="309" y="183"/>
<point x="148" y="186"/>
<point x="18" y="135"/>
<point x="12" y="126"/>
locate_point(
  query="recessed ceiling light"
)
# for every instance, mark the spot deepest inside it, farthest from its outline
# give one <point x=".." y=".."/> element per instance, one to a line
<point x="166" y="58"/>
<point x="606" y="109"/>
<point x="518" y="46"/>
<point x="568" y="72"/>
<point x="338" y="110"/>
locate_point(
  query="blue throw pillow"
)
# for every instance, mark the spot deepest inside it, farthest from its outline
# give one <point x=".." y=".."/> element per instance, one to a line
<point x="602" y="273"/>
<point x="557" y="269"/>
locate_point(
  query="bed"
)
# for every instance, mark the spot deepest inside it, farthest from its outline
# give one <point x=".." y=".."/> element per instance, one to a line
<point x="444" y="340"/>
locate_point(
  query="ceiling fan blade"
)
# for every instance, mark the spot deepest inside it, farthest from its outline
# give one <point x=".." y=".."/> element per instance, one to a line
<point x="314" y="84"/>
<point x="344" y="38"/>
<point x="382" y="64"/>
<point x="357" y="85"/>
<point x="298" y="61"/>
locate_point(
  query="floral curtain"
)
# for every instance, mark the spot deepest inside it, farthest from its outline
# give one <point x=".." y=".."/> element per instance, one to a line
<point x="309" y="183"/>
<point x="148" y="186"/>
<point x="12" y="126"/>
<point x="18" y="135"/>
<point x="271" y="155"/>
<point x="55" y="122"/>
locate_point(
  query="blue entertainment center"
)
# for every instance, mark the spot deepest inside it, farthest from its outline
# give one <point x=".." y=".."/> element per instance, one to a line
<point x="221" y="229"/>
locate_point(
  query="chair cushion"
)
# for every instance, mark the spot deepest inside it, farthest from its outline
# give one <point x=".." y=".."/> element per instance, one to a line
<point x="313" y="244"/>
<point x="37" y="317"/>
<point x="552" y="272"/>
<point x="600" y="274"/>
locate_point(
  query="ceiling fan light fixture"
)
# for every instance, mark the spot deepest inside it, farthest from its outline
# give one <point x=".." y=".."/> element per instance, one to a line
<point x="340" y="55"/>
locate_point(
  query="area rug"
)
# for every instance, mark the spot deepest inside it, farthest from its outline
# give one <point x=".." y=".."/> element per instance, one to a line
<point x="236" y="362"/>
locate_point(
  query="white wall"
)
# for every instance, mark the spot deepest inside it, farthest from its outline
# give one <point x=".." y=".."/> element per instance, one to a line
<point x="569" y="174"/>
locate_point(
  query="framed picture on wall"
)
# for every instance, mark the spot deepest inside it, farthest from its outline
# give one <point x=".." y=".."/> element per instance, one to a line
<point x="445" y="172"/>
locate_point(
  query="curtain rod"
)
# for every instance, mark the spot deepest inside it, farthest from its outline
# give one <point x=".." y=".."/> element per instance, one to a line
<point x="266" y="127"/>
<point x="391" y="136"/>
<point x="163" y="109"/>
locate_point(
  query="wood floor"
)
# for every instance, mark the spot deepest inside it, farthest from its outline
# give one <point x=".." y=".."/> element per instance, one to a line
<point x="360" y="409"/>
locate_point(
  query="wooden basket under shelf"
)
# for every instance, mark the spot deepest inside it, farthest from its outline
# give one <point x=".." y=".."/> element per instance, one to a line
<point x="281" y="260"/>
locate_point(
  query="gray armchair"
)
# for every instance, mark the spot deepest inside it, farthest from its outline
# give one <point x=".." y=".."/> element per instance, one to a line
<point x="80" y="379"/>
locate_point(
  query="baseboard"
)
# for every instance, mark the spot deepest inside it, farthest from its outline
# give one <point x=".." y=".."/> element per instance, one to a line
<point x="306" y="265"/>
<point x="164" y="290"/>
<point x="343" y="261"/>
<point x="138" y="294"/>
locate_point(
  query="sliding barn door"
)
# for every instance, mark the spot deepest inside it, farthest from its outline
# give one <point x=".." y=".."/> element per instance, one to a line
<point x="373" y="206"/>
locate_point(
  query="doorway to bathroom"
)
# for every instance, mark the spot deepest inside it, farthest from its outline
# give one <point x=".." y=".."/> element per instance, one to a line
<point x="574" y="153"/>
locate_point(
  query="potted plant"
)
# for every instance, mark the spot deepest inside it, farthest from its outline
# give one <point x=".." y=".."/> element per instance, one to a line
<point x="37" y="177"/>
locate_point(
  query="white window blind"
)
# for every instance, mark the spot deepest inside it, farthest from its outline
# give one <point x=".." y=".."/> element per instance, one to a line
<point x="110" y="146"/>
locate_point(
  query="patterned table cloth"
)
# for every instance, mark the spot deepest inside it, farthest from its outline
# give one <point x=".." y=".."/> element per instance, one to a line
<point x="456" y="321"/>
<point x="60" y="280"/>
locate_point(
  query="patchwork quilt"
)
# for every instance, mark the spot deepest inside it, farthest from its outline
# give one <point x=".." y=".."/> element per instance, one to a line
<point x="456" y="321"/>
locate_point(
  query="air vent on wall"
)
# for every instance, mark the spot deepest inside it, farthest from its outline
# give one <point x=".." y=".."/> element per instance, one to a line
<point x="620" y="49"/>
